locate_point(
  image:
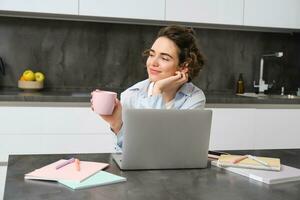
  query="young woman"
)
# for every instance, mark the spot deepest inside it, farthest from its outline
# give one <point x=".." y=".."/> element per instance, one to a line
<point x="173" y="61"/>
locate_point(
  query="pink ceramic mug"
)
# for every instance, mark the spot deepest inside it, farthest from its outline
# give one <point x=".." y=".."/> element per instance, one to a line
<point x="103" y="102"/>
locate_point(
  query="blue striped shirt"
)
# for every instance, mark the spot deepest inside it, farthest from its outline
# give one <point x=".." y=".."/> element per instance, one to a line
<point x="187" y="97"/>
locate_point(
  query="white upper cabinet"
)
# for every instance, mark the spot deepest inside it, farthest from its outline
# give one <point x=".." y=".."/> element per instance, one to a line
<point x="205" y="11"/>
<point x="283" y="14"/>
<point x="272" y="13"/>
<point x="41" y="6"/>
<point x="132" y="9"/>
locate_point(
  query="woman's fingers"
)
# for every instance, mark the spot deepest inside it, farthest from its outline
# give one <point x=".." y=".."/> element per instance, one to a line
<point x="91" y="100"/>
<point x="97" y="90"/>
<point x="92" y="107"/>
<point x="183" y="79"/>
<point x="185" y="76"/>
<point x="178" y="74"/>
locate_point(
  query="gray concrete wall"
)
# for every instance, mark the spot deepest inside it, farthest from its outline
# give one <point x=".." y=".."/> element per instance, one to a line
<point x="87" y="55"/>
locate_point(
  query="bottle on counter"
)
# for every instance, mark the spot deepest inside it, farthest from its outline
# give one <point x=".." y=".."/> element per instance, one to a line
<point x="240" y="87"/>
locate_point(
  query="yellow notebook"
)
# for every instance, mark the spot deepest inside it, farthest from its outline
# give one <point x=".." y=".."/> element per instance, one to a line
<point x="227" y="161"/>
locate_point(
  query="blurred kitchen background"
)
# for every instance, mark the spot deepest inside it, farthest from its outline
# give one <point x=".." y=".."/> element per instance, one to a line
<point x="81" y="56"/>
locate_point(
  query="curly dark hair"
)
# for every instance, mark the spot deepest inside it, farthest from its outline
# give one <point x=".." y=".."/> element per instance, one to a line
<point x="189" y="53"/>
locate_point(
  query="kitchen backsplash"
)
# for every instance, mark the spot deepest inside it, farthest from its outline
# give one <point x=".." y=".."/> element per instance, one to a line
<point x="84" y="55"/>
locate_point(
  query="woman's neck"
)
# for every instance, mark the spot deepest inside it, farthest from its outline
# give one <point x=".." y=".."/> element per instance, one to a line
<point x="169" y="96"/>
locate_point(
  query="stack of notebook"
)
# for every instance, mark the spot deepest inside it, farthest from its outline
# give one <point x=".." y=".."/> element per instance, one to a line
<point x="251" y="162"/>
<point x="89" y="175"/>
<point x="263" y="169"/>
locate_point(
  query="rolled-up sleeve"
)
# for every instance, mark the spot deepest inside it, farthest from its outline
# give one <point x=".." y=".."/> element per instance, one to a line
<point x="120" y="136"/>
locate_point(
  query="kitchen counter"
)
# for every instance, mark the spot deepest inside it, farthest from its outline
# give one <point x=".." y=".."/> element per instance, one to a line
<point x="84" y="96"/>
<point x="210" y="183"/>
<point x="221" y="98"/>
<point x="45" y="96"/>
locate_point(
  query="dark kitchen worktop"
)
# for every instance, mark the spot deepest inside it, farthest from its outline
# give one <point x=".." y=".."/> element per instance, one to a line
<point x="225" y="98"/>
<point x="44" y="96"/>
<point x="15" y="95"/>
<point x="210" y="183"/>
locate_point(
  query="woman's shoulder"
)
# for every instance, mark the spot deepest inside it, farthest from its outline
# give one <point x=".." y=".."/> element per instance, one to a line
<point x="140" y="85"/>
<point x="191" y="97"/>
<point x="195" y="88"/>
<point x="190" y="89"/>
<point x="130" y="95"/>
<point x="137" y="86"/>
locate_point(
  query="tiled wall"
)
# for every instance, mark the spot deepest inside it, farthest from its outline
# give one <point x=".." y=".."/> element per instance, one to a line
<point x="103" y="55"/>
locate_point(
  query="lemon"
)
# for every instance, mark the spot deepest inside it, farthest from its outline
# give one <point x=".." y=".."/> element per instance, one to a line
<point x="28" y="75"/>
<point x="39" y="76"/>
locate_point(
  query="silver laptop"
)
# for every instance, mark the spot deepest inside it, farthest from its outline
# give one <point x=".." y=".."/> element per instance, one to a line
<point x="165" y="139"/>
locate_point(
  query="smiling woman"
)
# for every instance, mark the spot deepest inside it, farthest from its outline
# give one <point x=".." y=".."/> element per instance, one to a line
<point x="162" y="59"/>
<point x="172" y="62"/>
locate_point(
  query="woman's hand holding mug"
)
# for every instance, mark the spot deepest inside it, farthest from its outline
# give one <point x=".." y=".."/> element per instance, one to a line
<point x="106" y="104"/>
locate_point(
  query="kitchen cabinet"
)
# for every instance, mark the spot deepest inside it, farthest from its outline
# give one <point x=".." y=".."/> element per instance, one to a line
<point x="33" y="130"/>
<point x="3" y="170"/>
<point x="69" y="7"/>
<point x="244" y="14"/>
<point x="272" y="13"/>
<point x="232" y="128"/>
<point x="203" y="11"/>
<point x="132" y="9"/>
<point x="251" y="128"/>
<point x="277" y="128"/>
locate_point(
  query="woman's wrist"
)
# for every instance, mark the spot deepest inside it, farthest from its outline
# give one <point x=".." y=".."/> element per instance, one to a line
<point x="156" y="89"/>
<point x="116" y="127"/>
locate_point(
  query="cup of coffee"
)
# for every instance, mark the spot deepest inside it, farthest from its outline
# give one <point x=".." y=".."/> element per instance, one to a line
<point x="103" y="102"/>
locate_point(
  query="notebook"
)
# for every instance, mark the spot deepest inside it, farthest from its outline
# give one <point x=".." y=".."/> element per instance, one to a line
<point x="98" y="179"/>
<point x="286" y="174"/>
<point x="226" y="161"/>
<point x="165" y="139"/>
<point x="68" y="172"/>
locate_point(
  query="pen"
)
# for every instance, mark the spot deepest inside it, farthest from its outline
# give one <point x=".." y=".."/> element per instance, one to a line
<point x="77" y="164"/>
<point x="65" y="163"/>
<point x="238" y="159"/>
<point x="258" y="160"/>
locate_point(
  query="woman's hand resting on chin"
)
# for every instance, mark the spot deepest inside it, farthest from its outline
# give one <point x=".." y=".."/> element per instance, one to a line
<point x="169" y="86"/>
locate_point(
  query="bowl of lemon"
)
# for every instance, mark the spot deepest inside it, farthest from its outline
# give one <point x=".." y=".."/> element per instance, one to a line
<point x="31" y="80"/>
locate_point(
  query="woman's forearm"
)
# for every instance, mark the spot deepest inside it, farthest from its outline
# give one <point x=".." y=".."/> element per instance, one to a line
<point x="115" y="127"/>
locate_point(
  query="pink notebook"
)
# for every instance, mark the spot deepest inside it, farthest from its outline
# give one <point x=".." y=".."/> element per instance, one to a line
<point x="68" y="172"/>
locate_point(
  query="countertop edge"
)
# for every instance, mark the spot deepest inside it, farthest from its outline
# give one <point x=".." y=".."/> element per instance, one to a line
<point x="87" y="104"/>
<point x="256" y="106"/>
<point x="43" y="104"/>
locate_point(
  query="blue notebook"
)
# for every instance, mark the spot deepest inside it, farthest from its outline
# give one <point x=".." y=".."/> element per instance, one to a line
<point x="100" y="178"/>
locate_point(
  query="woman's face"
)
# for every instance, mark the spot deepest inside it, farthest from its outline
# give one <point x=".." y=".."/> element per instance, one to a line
<point x="163" y="59"/>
